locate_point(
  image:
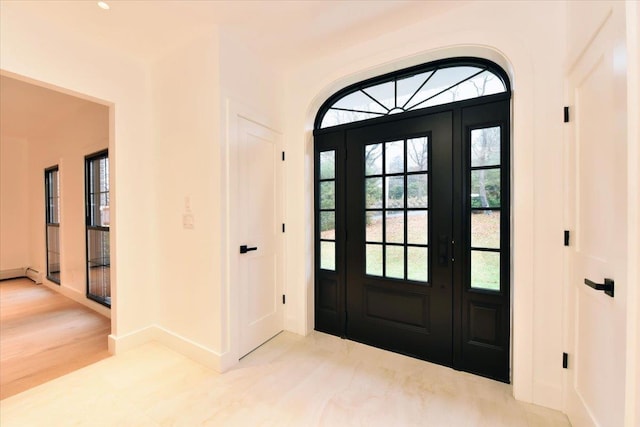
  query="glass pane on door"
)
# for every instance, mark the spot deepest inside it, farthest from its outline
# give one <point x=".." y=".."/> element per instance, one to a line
<point x="328" y="165"/>
<point x="374" y="260"/>
<point x="374" y="226"/>
<point x="485" y="229"/>
<point x="396" y="209"/>
<point x="373" y="159"/>
<point x="394" y="153"/>
<point x="394" y="224"/>
<point x="418" y="264"/>
<point x="417" y="190"/>
<point x="327" y="195"/>
<point x="395" y="192"/>
<point x="418" y="154"/>
<point x="485" y="147"/>
<point x="485" y="270"/>
<point x="328" y="225"/>
<point x="395" y="262"/>
<point x="328" y="255"/>
<point x="373" y="193"/>
<point x="418" y="227"/>
<point x="485" y="188"/>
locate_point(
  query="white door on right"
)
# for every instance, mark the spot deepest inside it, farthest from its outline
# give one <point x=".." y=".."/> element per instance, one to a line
<point x="597" y="206"/>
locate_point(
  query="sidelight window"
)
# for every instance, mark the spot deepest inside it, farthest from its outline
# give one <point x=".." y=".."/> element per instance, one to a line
<point x="52" y="219"/>
<point x="328" y="210"/>
<point x="486" y="204"/>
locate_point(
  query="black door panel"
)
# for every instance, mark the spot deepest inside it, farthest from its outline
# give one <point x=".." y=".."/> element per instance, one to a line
<point x="412" y="252"/>
<point x="412" y="317"/>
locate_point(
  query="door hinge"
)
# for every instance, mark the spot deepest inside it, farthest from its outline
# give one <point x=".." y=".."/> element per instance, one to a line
<point x="565" y="360"/>
<point x="566" y="237"/>
<point x="283" y="156"/>
<point x="284" y="299"/>
<point x="566" y="114"/>
<point x="283" y="227"/>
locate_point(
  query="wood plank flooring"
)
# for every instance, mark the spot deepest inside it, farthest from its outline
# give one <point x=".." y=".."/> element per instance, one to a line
<point x="314" y="381"/>
<point x="44" y="335"/>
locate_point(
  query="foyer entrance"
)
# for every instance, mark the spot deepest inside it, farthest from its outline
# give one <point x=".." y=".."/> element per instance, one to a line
<point x="412" y="209"/>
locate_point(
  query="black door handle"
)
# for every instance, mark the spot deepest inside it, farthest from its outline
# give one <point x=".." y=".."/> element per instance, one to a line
<point x="443" y="248"/>
<point x="607" y="286"/>
<point x="244" y="249"/>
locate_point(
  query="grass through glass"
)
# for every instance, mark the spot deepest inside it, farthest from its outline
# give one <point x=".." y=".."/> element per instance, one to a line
<point x="485" y="266"/>
<point x="417" y="257"/>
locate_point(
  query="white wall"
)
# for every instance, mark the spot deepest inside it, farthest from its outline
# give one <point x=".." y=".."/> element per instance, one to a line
<point x="252" y="89"/>
<point x="526" y="38"/>
<point x="14" y="204"/>
<point x="186" y="162"/>
<point x="36" y="51"/>
<point x="195" y="88"/>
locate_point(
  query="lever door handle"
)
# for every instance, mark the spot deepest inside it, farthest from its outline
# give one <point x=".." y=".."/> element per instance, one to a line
<point x="244" y="249"/>
<point x="607" y="286"/>
<point x="443" y="248"/>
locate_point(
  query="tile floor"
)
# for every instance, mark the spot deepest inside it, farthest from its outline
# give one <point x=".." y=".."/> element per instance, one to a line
<point x="319" y="380"/>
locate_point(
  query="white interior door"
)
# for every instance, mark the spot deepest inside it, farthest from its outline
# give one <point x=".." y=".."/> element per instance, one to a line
<point x="260" y="230"/>
<point x="595" y="388"/>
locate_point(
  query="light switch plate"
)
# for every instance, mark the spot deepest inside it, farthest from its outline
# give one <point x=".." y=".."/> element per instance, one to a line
<point x="187" y="221"/>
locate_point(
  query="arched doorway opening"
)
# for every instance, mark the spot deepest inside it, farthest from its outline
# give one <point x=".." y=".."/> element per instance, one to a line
<point x="412" y="231"/>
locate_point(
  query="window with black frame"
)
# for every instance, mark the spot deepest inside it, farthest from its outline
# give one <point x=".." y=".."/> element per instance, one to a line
<point x="97" y="227"/>
<point x="52" y="220"/>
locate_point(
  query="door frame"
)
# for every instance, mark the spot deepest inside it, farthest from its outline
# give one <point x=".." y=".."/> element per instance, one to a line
<point x="232" y="110"/>
<point x="507" y="280"/>
<point x="603" y="44"/>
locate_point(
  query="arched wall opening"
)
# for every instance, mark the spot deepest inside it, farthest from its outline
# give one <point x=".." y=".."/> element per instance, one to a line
<point x="519" y="69"/>
<point x="446" y="115"/>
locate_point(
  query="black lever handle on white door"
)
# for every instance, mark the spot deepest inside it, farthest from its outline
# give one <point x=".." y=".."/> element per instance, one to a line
<point x="244" y="249"/>
<point x="607" y="286"/>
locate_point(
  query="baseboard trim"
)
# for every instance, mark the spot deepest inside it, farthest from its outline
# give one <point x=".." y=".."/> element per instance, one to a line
<point x="122" y="343"/>
<point x="79" y="297"/>
<point x="33" y="275"/>
<point x="191" y="349"/>
<point x="578" y="411"/>
<point x="180" y="344"/>
<point x="13" y="273"/>
<point x="547" y="395"/>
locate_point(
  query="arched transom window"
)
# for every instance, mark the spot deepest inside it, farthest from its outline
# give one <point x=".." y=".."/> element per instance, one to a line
<point x="443" y="83"/>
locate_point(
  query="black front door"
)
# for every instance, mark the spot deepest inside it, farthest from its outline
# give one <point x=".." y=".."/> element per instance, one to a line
<point x="398" y="216"/>
<point x="412" y="248"/>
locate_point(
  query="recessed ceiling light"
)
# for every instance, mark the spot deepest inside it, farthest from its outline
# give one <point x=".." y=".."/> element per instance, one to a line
<point x="104" y="5"/>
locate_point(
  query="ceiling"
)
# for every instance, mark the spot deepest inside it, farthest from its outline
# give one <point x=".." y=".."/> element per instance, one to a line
<point x="284" y="31"/>
<point x="28" y="111"/>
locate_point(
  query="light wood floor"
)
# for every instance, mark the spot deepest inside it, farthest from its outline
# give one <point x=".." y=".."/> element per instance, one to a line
<point x="291" y="381"/>
<point x="44" y="335"/>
